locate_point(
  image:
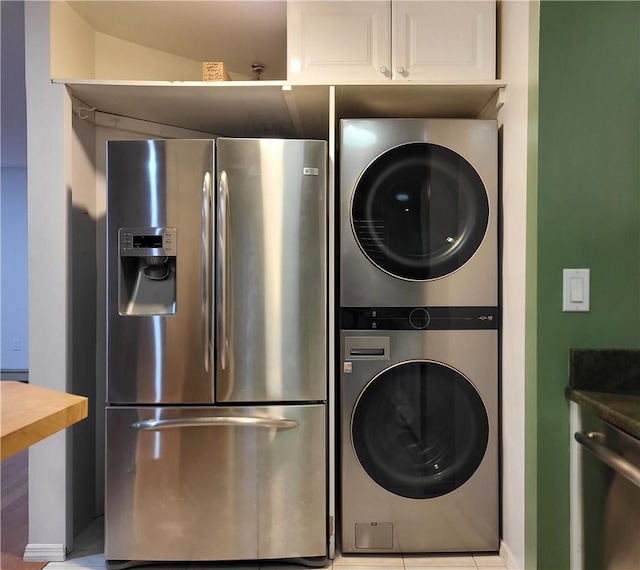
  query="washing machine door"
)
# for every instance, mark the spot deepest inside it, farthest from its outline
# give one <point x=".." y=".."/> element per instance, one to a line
<point x="419" y="211"/>
<point x="420" y="429"/>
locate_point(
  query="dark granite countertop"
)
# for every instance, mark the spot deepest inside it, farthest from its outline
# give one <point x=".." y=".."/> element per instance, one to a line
<point x="608" y="382"/>
<point x="622" y="409"/>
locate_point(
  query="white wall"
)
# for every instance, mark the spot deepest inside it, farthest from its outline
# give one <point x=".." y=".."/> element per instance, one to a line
<point x="79" y="52"/>
<point x="120" y="59"/>
<point x="515" y="42"/>
<point x="48" y="178"/>
<point x="73" y="43"/>
<point x="13" y="270"/>
<point x="13" y="149"/>
<point x="14" y="327"/>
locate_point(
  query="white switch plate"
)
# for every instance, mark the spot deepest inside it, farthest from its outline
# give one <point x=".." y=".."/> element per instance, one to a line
<point x="575" y="290"/>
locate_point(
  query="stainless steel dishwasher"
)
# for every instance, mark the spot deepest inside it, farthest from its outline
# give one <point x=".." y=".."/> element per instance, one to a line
<point x="610" y="496"/>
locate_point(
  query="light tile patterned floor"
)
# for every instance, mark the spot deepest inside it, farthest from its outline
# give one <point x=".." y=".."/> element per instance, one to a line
<point x="77" y="561"/>
<point x="90" y="546"/>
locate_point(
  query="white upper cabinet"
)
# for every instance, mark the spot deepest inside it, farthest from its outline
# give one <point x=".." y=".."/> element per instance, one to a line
<point x="439" y="40"/>
<point x="345" y="41"/>
<point x="444" y="40"/>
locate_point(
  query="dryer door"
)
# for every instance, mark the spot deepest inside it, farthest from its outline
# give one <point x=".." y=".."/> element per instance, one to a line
<point x="420" y="429"/>
<point x="419" y="211"/>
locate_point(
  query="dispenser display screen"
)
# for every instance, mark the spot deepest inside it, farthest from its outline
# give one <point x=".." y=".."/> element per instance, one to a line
<point x="147" y="242"/>
<point x="144" y="242"/>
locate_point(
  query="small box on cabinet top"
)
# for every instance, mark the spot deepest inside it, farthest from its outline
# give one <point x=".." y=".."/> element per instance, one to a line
<point x="214" y="71"/>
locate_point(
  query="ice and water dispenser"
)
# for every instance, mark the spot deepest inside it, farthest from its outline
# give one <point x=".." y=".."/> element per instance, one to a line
<point x="147" y="281"/>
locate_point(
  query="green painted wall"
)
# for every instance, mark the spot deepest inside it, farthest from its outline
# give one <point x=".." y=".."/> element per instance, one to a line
<point x="588" y="215"/>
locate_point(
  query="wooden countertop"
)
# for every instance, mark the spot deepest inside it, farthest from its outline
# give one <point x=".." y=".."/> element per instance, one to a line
<point x="31" y="413"/>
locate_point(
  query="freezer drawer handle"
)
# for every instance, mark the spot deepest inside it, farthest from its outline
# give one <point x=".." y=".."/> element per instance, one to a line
<point x="277" y="423"/>
<point x="592" y="441"/>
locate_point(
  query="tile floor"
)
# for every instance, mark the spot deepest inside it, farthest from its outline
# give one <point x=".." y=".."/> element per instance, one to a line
<point x="90" y="546"/>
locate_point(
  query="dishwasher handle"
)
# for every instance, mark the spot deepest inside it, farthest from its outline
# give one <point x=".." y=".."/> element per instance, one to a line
<point x="232" y="421"/>
<point x="593" y="442"/>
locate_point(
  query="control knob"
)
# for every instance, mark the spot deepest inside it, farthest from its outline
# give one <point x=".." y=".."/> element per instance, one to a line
<point x="419" y="318"/>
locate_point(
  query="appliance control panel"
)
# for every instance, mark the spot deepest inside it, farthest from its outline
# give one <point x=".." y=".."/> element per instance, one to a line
<point x="147" y="242"/>
<point x="418" y="318"/>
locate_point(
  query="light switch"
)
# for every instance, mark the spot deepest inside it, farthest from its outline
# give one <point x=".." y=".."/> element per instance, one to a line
<point x="575" y="293"/>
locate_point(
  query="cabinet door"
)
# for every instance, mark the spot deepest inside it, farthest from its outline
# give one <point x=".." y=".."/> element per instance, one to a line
<point x="444" y="40"/>
<point x="338" y="41"/>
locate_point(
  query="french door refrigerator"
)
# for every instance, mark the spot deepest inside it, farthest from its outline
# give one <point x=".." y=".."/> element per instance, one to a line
<point x="216" y="350"/>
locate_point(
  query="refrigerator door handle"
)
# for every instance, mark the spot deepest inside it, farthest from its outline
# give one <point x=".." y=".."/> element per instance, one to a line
<point x="233" y="421"/>
<point x="205" y="266"/>
<point x="222" y="261"/>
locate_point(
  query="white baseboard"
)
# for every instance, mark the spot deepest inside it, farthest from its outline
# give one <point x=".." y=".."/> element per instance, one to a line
<point x="508" y="558"/>
<point x="45" y="553"/>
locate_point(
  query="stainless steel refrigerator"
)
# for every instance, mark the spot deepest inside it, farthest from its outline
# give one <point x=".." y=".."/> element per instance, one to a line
<point x="216" y="350"/>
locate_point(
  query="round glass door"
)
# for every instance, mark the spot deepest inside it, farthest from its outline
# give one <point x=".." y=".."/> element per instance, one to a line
<point x="420" y="429"/>
<point x="419" y="211"/>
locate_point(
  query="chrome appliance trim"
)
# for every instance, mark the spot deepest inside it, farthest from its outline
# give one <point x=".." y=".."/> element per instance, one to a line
<point x="223" y="257"/>
<point x="205" y="267"/>
<point x="233" y="421"/>
<point x="594" y="442"/>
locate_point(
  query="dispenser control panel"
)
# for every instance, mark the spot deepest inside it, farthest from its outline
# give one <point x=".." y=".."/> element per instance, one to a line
<point x="147" y="242"/>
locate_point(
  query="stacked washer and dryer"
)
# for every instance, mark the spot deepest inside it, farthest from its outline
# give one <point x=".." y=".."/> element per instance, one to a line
<point x="419" y="335"/>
